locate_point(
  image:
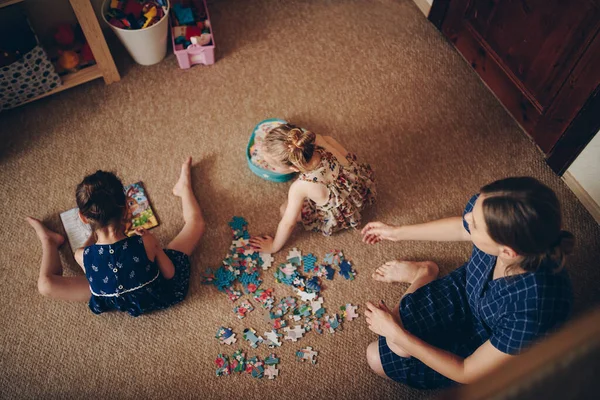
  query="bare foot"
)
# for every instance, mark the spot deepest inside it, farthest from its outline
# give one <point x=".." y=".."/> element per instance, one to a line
<point x="45" y="234"/>
<point x="184" y="183"/>
<point x="405" y="271"/>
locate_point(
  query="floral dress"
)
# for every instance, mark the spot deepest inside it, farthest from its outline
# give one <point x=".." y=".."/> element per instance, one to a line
<point x="350" y="187"/>
<point x="122" y="278"/>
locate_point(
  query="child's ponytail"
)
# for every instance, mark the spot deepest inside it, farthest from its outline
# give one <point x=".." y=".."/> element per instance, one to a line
<point x="302" y="146"/>
<point x="290" y="145"/>
<point x="562" y="248"/>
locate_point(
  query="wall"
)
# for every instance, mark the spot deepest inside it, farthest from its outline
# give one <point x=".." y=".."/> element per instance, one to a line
<point x="584" y="176"/>
<point x="424" y="6"/>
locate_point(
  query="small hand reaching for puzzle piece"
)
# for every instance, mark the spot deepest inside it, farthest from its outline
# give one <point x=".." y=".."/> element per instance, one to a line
<point x="263" y="244"/>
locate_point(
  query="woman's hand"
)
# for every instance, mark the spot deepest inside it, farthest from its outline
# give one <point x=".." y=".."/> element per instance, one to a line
<point x="380" y="320"/>
<point x="375" y="232"/>
<point x="264" y="244"/>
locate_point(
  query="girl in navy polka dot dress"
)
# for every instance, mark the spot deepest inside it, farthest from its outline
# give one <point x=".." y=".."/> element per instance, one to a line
<point x="131" y="274"/>
<point x="512" y="292"/>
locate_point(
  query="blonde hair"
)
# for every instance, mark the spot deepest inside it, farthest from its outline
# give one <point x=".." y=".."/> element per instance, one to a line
<point x="290" y="145"/>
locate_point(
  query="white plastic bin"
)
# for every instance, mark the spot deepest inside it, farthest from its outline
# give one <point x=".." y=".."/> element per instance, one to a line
<point x="147" y="46"/>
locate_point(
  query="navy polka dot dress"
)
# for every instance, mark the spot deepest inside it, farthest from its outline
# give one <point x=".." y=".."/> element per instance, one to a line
<point x="121" y="277"/>
<point x="463" y="310"/>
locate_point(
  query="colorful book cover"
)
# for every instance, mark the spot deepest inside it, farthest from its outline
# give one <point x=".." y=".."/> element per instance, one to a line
<point x="139" y="214"/>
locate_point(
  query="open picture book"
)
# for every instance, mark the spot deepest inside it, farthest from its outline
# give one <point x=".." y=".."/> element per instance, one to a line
<point x="139" y="215"/>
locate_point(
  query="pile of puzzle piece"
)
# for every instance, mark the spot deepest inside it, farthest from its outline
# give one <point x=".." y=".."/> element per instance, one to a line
<point x="305" y="312"/>
<point x="241" y="264"/>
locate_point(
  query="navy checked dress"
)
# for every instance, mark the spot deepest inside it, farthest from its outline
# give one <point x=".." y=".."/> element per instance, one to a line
<point x="122" y="278"/>
<point x="463" y="310"/>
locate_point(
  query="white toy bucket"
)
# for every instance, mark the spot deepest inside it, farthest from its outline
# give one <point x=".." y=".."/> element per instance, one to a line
<point x="147" y="46"/>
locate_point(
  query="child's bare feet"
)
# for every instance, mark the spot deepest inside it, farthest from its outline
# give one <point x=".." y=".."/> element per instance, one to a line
<point x="184" y="183"/>
<point x="44" y="234"/>
<point x="405" y="271"/>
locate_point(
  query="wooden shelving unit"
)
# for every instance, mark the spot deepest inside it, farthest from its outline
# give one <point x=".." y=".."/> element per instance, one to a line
<point x="105" y="66"/>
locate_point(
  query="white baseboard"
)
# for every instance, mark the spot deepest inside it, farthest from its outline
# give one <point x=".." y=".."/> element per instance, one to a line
<point x="588" y="202"/>
<point x="424" y="6"/>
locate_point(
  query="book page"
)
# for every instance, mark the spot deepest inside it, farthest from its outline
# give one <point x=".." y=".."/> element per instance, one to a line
<point x="77" y="231"/>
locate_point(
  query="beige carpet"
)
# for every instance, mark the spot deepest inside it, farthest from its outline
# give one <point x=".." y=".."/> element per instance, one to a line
<point x="375" y="75"/>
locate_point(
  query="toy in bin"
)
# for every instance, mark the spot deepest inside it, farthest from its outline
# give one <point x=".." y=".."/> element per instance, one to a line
<point x="256" y="162"/>
<point x="191" y="33"/>
<point x="70" y="52"/>
<point x="135" y="14"/>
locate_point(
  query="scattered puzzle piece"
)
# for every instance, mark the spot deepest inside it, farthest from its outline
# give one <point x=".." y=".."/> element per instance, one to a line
<point x="267" y="260"/>
<point x="233" y="294"/>
<point x="279" y="323"/>
<point x="334" y="257"/>
<point x="349" y="312"/>
<point x="272" y="338"/>
<point x="304" y="296"/>
<point x="286" y="278"/>
<point x="346" y="270"/>
<point x="255" y="367"/>
<point x="316" y="305"/>
<point x="313" y="284"/>
<point x="244" y="308"/>
<point x="238" y="361"/>
<point x="309" y="263"/>
<point x="283" y="307"/>
<point x="316" y="326"/>
<point x="294" y="334"/>
<point x="271" y="359"/>
<point x="250" y="336"/>
<point x="295" y="256"/>
<point x="303" y="310"/>
<point x="265" y="298"/>
<point x="329" y="272"/>
<point x="307" y="354"/>
<point x="332" y="323"/>
<point x="226" y="336"/>
<point x="223" y="368"/>
<point x="271" y="372"/>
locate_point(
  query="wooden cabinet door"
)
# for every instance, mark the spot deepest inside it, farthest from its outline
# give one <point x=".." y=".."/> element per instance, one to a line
<point x="537" y="56"/>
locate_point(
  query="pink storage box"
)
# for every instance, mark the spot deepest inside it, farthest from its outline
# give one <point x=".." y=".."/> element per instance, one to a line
<point x="194" y="54"/>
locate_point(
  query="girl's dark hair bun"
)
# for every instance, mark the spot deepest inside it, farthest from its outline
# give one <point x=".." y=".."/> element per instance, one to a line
<point x="100" y="198"/>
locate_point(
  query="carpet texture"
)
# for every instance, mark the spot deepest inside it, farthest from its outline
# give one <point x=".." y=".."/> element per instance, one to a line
<point x="375" y="75"/>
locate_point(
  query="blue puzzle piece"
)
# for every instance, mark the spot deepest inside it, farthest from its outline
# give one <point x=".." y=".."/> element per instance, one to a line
<point x="329" y="272"/>
<point x="285" y="279"/>
<point x="309" y="262"/>
<point x="346" y="270"/>
<point x="313" y="284"/>
<point x="271" y="360"/>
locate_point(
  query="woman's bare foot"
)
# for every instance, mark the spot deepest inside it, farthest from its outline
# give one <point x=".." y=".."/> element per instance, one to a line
<point x="184" y="183"/>
<point x="44" y="234"/>
<point x="405" y="271"/>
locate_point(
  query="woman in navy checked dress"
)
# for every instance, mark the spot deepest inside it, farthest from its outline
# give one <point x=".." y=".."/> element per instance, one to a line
<point x="512" y="292"/>
<point x="131" y="274"/>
